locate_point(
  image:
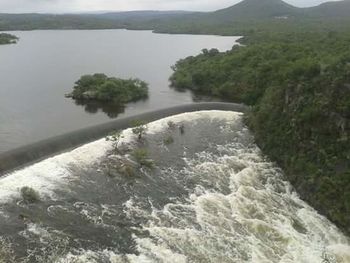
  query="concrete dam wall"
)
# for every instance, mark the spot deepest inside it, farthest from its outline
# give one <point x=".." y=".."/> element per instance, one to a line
<point x="23" y="156"/>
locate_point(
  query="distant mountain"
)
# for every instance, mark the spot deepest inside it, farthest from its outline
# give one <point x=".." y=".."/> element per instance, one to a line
<point x="220" y="22"/>
<point x="133" y="19"/>
<point x="330" y="9"/>
<point x="256" y="9"/>
<point x="140" y="15"/>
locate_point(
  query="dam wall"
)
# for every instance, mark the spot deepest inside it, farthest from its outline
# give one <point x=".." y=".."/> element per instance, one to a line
<point x="26" y="155"/>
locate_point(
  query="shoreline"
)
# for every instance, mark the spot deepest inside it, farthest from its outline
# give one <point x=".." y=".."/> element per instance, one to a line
<point x="23" y="156"/>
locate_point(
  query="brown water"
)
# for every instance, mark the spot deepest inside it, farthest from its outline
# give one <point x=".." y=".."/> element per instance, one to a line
<point x="37" y="72"/>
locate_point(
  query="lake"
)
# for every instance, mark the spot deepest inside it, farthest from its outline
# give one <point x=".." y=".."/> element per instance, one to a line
<point x="37" y="72"/>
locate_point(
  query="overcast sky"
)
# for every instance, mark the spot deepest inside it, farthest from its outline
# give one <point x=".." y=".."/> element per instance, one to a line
<point x="61" y="6"/>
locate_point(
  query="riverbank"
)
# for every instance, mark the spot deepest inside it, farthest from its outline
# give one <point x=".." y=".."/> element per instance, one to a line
<point x="23" y="156"/>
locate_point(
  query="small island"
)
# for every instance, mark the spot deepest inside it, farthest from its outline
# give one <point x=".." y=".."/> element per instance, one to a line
<point x="7" y="39"/>
<point x="100" y="88"/>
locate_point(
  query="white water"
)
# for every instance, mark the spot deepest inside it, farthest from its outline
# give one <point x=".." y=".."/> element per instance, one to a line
<point x="241" y="209"/>
<point x="252" y="223"/>
<point x="52" y="173"/>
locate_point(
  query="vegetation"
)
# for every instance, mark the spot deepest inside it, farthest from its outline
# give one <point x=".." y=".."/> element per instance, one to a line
<point x="171" y="125"/>
<point x="140" y="128"/>
<point x="7" y="39"/>
<point x="240" y="19"/>
<point x="294" y="70"/>
<point x="168" y="140"/>
<point x="29" y="195"/>
<point x="298" y="84"/>
<point x="115" y="137"/>
<point x="141" y="157"/>
<point x="99" y="87"/>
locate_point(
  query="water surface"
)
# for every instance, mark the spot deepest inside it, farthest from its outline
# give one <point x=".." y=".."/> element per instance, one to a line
<point x="37" y="72"/>
<point x="211" y="196"/>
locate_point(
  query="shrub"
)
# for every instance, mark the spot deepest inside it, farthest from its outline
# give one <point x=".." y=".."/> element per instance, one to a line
<point x="140" y="128"/>
<point x="115" y="137"/>
<point x="171" y="125"/>
<point x="141" y="157"/>
<point x="168" y="140"/>
<point x="29" y="195"/>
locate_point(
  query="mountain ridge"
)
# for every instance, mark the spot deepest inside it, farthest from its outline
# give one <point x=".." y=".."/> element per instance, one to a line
<point x="179" y="21"/>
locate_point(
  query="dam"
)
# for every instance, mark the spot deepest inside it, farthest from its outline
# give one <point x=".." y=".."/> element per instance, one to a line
<point x="210" y="195"/>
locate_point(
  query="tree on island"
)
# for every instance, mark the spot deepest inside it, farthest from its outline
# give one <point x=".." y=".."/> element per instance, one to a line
<point x="7" y="39"/>
<point x="99" y="87"/>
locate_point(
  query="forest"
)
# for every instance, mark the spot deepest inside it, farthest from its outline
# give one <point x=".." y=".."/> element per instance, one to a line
<point x="298" y="87"/>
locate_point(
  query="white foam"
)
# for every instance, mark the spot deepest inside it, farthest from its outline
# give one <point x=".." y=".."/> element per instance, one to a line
<point x="55" y="172"/>
<point x="242" y="210"/>
<point x="52" y="173"/>
<point x="260" y="220"/>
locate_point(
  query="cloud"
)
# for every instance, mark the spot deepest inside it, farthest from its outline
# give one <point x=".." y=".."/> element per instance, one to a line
<point x="60" y="6"/>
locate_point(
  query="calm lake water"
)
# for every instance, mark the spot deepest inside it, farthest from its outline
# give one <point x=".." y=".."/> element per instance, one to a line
<point x="37" y="72"/>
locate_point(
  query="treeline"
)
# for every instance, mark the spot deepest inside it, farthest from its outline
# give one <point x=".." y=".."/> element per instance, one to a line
<point x="298" y="85"/>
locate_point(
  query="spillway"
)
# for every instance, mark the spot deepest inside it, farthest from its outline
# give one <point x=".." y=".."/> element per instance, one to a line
<point x="210" y="195"/>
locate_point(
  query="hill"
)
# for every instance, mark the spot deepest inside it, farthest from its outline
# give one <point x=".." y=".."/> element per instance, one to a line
<point x="114" y="20"/>
<point x="239" y="18"/>
<point x="330" y="9"/>
<point x="256" y="9"/>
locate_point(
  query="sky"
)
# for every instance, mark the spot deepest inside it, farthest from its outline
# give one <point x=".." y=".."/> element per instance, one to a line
<point x="68" y="6"/>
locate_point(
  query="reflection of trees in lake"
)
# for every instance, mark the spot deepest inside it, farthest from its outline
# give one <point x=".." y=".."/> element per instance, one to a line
<point x="111" y="109"/>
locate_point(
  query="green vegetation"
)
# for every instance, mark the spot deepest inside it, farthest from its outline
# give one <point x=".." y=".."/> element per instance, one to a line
<point x="240" y="19"/>
<point x="29" y="195"/>
<point x="99" y="87"/>
<point x="140" y="129"/>
<point x="168" y="140"/>
<point x="171" y="125"/>
<point x="294" y="70"/>
<point x="298" y="84"/>
<point x="115" y="137"/>
<point x="7" y="39"/>
<point x="141" y="157"/>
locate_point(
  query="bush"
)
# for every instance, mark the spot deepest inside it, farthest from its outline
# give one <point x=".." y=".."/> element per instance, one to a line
<point x="141" y="157"/>
<point x="29" y="195"/>
<point x="115" y="137"/>
<point x="168" y="140"/>
<point x="140" y="128"/>
<point x="171" y="125"/>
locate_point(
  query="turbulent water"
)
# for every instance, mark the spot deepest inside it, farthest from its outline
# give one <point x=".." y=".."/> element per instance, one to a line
<point x="210" y="196"/>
